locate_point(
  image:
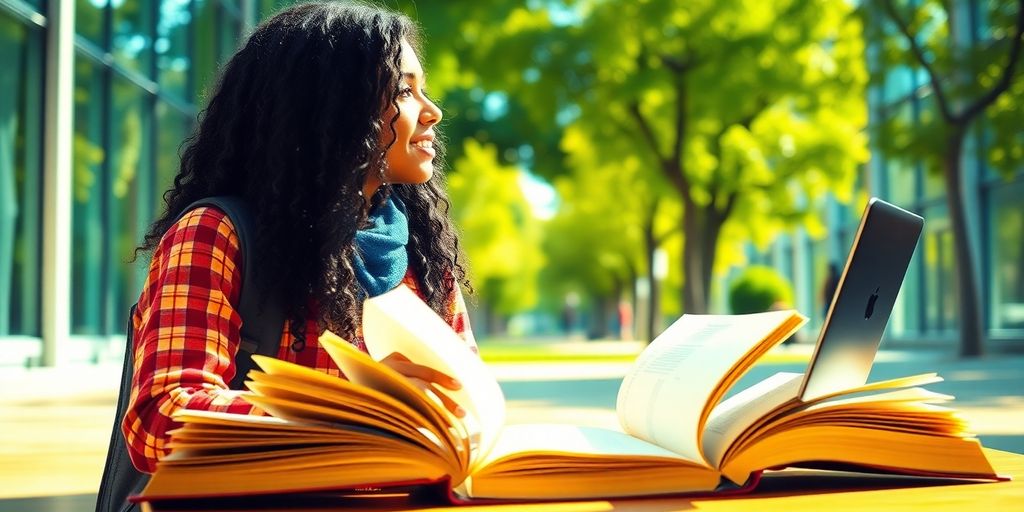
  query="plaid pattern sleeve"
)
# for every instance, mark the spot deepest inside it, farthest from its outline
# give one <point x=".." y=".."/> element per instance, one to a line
<point x="186" y="333"/>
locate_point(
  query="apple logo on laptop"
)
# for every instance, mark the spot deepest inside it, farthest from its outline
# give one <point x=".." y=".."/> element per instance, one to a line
<point x="871" y="304"/>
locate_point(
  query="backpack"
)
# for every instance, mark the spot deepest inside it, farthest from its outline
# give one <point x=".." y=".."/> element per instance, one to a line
<point x="262" y="322"/>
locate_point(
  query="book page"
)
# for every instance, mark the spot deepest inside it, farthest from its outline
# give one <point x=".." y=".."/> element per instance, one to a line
<point x="361" y="369"/>
<point x="588" y="442"/>
<point x="554" y="461"/>
<point x="669" y="392"/>
<point x="734" y="416"/>
<point x="399" y="321"/>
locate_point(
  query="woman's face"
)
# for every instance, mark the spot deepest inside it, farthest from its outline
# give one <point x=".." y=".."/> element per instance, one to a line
<point x="410" y="158"/>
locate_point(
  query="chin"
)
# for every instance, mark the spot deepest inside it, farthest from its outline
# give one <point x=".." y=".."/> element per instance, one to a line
<point x="427" y="174"/>
<point x="423" y="175"/>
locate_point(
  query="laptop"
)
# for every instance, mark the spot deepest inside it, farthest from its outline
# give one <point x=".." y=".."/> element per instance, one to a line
<point x="863" y="300"/>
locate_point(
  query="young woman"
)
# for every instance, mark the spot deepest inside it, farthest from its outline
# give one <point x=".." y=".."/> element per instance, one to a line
<point x="321" y="123"/>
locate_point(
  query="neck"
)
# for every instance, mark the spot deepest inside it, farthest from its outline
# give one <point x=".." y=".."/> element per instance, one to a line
<point x="370" y="188"/>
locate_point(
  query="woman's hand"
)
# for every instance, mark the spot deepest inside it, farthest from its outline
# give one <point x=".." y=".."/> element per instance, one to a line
<point x="427" y="379"/>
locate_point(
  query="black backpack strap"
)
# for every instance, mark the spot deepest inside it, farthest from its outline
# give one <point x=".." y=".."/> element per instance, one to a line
<point x="261" y="311"/>
<point x="262" y="322"/>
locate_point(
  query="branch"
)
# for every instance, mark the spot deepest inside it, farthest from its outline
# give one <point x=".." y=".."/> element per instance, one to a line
<point x="1004" y="81"/>
<point x="904" y="28"/>
<point x="760" y="105"/>
<point x="645" y="128"/>
<point x="680" y="125"/>
<point x="660" y="238"/>
<point x="626" y="130"/>
<point x="730" y="204"/>
<point x="679" y="68"/>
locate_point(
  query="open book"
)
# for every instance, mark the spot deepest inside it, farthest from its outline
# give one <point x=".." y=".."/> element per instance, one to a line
<point x="378" y="430"/>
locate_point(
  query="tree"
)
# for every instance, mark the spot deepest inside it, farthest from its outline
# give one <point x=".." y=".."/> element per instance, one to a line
<point x="747" y="112"/>
<point x="968" y="80"/>
<point x="500" y="236"/>
<point x="608" y="226"/>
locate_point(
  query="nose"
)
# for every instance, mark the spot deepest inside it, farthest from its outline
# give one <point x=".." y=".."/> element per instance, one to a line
<point x="431" y="113"/>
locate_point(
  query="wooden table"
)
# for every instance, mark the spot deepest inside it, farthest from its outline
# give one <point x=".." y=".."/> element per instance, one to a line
<point x="794" y="492"/>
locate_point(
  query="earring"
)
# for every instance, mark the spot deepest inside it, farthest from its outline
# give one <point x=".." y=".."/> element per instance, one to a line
<point x="383" y="178"/>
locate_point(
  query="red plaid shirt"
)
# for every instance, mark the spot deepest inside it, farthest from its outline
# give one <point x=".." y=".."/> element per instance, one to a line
<point x="187" y="333"/>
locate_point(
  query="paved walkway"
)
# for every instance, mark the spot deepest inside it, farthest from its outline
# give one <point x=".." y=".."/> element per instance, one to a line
<point x="56" y="424"/>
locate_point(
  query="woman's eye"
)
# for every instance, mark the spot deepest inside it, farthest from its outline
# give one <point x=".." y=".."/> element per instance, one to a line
<point x="405" y="92"/>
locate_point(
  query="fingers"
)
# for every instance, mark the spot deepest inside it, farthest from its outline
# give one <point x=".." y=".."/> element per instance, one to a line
<point x="427" y="379"/>
<point x="440" y="397"/>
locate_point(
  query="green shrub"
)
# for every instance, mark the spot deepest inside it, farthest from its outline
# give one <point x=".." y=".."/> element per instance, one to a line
<point x="758" y="289"/>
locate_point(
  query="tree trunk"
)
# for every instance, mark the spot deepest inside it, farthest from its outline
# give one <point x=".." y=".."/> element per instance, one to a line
<point x="701" y="228"/>
<point x="652" y="323"/>
<point x="694" y="289"/>
<point x="494" y="324"/>
<point x="971" y="328"/>
<point x="633" y="300"/>
<point x="599" y="319"/>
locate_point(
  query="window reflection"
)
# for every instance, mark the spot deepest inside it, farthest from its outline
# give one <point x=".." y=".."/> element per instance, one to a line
<point x="89" y="21"/>
<point x="20" y="170"/>
<point x="129" y="182"/>
<point x="940" y="298"/>
<point x="172" y="128"/>
<point x="171" y="46"/>
<point x="1007" y="257"/>
<point x="87" y="270"/>
<point x="132" y="37"/>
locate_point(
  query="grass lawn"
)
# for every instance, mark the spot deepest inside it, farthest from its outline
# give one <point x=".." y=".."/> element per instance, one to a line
<point x="501" y="350"/>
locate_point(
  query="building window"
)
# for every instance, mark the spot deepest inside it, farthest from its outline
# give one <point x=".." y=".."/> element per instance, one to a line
<point x="132" y="36"/>
<point x="940" y="299"/>
<point x="90" y="21"/>
<point x="172" y="128"/>
<point x="171" y="47"/>
<point x="128" y="194"/>
<point x="217" y="29"/>
<point x="1007" y="257"/>
<point x="20" y="171"/>
<point x="87" y="269"/>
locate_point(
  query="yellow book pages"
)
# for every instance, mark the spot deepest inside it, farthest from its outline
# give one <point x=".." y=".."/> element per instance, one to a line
<point x="619" y="482"/>
<point x="406" y="397"/>
<point x="883" y="449"/>
<point x="396" y="423"/>
<point x="668" y="395"/>
<point x="735" y="416"/>
<point x="567" y="461"/>
<point x="736" y="420"/>
<point x="327" y="469"/>
<point x="399" y="321"/>
<point x="364" y="371"/>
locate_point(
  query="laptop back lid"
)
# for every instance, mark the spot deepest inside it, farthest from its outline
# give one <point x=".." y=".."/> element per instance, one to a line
<point x="874" y="271"/>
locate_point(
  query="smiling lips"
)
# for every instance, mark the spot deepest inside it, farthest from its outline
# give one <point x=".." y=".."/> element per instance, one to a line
<point x="425" y="144"/>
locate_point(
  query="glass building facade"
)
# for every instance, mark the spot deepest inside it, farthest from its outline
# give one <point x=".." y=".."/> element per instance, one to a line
<point x="139" y="69"/>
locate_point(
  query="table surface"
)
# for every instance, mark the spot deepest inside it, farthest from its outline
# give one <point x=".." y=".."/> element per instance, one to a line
<point x="783" y="492"/>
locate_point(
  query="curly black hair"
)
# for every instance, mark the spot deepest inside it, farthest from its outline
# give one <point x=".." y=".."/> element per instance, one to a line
<point x="293" y="126"/>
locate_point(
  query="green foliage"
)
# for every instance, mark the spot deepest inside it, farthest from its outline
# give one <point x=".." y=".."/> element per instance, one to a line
<point x="765" y="120"/>
<point x="757" y="289"/>
<point x="965" y="69"/>
<point x="500" y="235"/>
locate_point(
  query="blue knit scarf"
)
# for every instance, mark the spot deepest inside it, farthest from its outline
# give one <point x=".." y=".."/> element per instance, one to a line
<point x="380" y="259"/>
